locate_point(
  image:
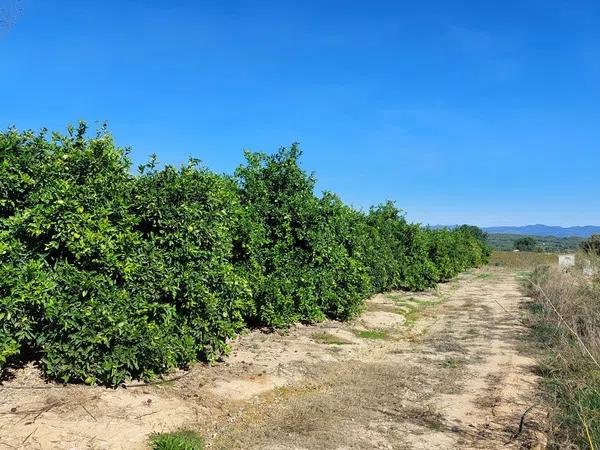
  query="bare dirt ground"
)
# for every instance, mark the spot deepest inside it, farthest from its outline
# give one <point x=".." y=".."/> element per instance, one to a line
<point x="435" y="370"/>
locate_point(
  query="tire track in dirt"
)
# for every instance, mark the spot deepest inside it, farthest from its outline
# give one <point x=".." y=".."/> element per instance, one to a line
<point x="454" y="380"/>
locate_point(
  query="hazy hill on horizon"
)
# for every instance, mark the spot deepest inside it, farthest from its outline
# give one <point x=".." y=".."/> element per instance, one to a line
<point x="546" y="230"/>
<point x="584" y="231"/>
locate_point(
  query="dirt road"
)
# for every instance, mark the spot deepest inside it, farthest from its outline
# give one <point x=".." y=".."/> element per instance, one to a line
<point x="436" y="370"/>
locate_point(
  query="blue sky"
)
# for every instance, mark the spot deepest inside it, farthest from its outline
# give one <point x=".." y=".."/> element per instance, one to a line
<point x="479" y="112"/>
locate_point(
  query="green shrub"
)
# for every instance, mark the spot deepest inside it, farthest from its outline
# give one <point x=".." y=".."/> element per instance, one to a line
<point x="296" y="249"/>
<point x="111" y="276"/>
<point x="107" y="276"/>
<point x="445" y="253"/>
<point x="177" y="440"/>
<point x="525" y="244"/>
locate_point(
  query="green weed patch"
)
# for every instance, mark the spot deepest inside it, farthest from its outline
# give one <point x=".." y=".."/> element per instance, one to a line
<point x="177" y="440"/>
<point x="330" y="339"/>
<point x="373" y="334"/>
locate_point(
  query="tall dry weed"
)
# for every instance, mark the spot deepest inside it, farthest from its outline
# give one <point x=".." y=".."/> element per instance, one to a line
<point x="565" y="321"/>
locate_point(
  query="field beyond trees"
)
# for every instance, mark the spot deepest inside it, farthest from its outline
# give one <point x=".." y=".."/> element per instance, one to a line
<point x="107" y="276"/>
<point x="522" y="260"/>
<point x="547" y="244"/>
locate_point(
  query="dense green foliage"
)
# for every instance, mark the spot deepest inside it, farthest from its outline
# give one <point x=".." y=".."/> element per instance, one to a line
<point x="525" y="244"/>
<point x="106" y="275"/>
<point x="551" y="244"/>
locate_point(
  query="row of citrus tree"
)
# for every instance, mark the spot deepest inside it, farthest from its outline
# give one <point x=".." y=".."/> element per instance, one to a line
<point x="106" y="275"/>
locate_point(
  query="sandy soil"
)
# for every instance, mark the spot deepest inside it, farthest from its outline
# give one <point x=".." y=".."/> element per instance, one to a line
<point x="440" y="369"/>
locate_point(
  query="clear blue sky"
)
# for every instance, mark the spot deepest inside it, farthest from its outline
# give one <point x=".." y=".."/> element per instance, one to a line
<point x="480" y="112"/>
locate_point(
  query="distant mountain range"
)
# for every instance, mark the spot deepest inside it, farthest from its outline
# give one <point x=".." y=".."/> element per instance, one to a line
<point x="538" y="230"/>
<point x="546" y="230"/>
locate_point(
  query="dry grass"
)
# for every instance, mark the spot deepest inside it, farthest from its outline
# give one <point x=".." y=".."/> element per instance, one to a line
<point x="522" y="260"/>
<point x="565" y="320"/>
<point x="332" y="416"/>
<point x="572" y="300"/>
